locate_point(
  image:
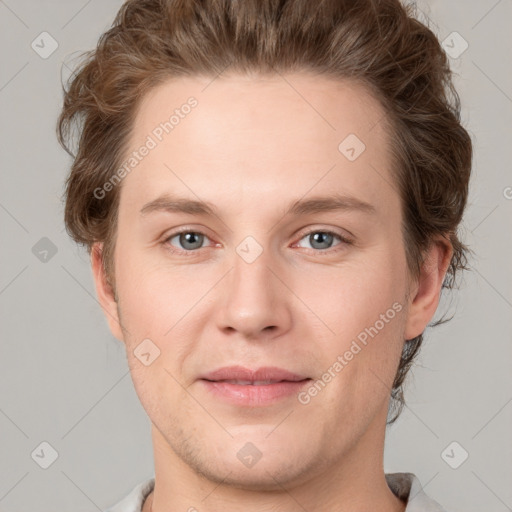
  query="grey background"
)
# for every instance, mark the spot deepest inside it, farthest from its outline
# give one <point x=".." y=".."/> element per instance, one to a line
<point x="64" y="379"/>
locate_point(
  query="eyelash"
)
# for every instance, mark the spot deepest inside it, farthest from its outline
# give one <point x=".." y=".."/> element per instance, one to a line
<point x="343" y="240"/>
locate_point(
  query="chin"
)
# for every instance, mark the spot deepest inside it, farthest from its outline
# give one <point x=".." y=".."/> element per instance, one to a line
<point x="271" y="474"/>
<point x="257" y="463"/>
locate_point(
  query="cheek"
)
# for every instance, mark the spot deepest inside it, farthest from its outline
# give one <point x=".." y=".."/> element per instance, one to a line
<point x="155" y="298"/>
<point x="169" y="307"/>
<point x="352" y="297"/>
<point x="362" y="304"/>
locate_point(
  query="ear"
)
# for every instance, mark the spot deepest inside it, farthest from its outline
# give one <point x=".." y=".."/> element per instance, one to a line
<point x="426" y="291"/>
<point x="105" y="292"/>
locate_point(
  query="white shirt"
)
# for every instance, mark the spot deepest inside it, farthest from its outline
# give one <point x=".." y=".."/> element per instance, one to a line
<point x="405" y="486"/>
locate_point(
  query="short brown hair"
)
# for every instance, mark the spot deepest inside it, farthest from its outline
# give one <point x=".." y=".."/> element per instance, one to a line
<point x="378" y="43"/>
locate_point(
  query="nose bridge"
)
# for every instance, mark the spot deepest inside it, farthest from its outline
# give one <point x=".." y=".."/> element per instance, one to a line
<point x="255" y="301"/>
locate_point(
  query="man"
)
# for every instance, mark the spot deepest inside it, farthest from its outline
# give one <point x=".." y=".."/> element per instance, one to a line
<point x="270" y="193"/>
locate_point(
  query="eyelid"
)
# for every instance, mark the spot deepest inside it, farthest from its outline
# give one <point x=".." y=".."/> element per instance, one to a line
<point x="319" y="229"/>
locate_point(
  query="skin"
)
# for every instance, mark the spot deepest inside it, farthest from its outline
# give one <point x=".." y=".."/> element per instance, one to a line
<point x="252" y="146"/>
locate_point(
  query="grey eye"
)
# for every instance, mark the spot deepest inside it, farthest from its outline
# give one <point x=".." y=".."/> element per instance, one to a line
<point x="189" y="240"/>
<point x="321" y="239"/>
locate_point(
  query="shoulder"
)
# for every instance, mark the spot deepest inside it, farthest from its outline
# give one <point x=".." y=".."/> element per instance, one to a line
<point x="134" y="500"/>
<point x="407" y="487"/>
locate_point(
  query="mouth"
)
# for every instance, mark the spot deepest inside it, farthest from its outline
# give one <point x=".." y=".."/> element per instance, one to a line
<point x="254" y="382"/>
<point x="250" y="388"/>
<point x="259" y="376"/>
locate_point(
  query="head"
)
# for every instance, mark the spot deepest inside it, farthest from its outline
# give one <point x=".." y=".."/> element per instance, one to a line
<point x="274" y="104"/>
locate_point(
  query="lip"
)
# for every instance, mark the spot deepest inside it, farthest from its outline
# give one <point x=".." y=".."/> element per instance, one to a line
<point x="283" y="384"/>
<point x="272" y="373"/>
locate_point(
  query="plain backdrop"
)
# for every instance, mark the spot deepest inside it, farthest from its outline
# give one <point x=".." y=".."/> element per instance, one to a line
<point x="64" y="379"/>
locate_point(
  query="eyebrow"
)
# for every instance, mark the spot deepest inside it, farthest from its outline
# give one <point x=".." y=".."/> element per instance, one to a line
<point x="332" y="202"/>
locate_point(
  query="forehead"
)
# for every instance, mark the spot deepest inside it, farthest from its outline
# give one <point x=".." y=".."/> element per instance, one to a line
<point x="259" y="135"/>
<point x="283" y="106"/>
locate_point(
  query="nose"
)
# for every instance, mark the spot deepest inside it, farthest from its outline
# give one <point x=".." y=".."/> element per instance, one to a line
<point x="256" y="304"/>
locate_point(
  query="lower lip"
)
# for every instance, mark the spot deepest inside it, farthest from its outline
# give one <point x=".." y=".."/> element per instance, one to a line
<point x="249" y="395"/>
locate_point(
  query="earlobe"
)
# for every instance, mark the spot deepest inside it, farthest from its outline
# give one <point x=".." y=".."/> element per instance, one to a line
<point x="105" y="291"/>
<point x="425" y="300"/>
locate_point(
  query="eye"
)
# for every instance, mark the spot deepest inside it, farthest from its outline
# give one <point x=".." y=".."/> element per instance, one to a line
<point x="186" y="241"/>
<point x="322" y="240"/>
<point x="189" y="241"/>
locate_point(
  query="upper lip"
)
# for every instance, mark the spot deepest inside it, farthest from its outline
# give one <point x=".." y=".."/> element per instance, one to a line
<point x="271" y="373"/>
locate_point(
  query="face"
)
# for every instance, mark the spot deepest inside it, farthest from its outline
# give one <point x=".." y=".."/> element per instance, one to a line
<point x="260" y="233"/>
